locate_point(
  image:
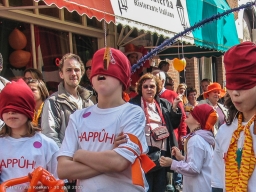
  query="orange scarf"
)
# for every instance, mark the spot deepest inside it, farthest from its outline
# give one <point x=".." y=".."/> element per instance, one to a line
<point x="142" y="161"/>
<point x="237" y="179"/>
<point x="37" y="115"/>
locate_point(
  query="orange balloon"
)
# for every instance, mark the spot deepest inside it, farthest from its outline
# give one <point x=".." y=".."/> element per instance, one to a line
<point x="17" y="39"/>
<point x="19" y="58"/>
<point x="179" y="64"/>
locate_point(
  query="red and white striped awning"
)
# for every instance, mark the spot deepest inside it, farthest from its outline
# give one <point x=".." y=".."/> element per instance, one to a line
<point x="101" y="9"/>
<point x="160" y="17"/>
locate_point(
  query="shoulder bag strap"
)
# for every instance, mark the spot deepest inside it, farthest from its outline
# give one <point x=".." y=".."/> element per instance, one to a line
<point x="148" y="121"/>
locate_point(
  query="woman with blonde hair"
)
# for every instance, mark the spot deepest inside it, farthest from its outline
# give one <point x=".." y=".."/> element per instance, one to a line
<point x="40" y="93"/>
<point x="181" y="91"/>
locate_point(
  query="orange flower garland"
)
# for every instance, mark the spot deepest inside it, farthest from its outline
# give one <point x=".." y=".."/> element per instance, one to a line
<point x="237" y="179"/>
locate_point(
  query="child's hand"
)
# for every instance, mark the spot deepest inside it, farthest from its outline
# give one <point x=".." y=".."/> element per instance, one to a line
<point x="165" y="161"/>
<point x="176" y="152"/>
<point x="120" y="139"/>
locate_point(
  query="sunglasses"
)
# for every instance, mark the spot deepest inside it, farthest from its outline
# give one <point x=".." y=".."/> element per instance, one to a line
<point x="86" y="68"/>
<point x="26" y="79"/>
<point x="32" y="81"/>
<point x="148" y="86"/>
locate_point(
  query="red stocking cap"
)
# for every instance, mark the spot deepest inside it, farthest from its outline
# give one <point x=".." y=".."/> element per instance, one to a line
<point x="118" y="66"/>
<point x="18" y="97"/>
<point x="201" y="113"/>
<point x="240" y="65"/>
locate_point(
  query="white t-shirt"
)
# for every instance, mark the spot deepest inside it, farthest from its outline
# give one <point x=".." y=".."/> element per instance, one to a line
<point x="94" y="129"/>
<point x="223" y="139"/>
<point x="21" y="156"/>
<point x="196" y="168"/>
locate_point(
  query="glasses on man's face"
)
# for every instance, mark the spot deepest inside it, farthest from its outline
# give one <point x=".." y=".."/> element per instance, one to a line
<point x="89" y="67"/>
<point x="148" y="86"/>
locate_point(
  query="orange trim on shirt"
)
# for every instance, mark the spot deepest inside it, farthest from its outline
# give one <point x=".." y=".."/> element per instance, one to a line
<point x="141" y="161"/>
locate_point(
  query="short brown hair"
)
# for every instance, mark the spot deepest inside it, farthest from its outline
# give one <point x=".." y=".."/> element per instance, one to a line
<point x="7" y="131"/>
<point x="206" y="80"/>
<point x="35" y="73"/>
<point x="71" y="56"/>
<point x="42" y="88"/>
<point x="191" y="90"/>
<point x="146" y="77"/>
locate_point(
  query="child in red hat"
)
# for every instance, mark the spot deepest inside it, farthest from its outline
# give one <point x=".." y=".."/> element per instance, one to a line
<point x="88" y="153"/>
<point x="195" y="166"/>
<point x="23" y="147"/>
<point x="233" y="167"/>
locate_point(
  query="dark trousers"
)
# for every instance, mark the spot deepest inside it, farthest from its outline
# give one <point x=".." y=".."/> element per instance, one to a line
<point x="157" y="180"/>
<point x="217" y="189"/>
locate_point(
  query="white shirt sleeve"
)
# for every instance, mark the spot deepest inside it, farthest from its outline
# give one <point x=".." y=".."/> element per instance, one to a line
<point x="194" y="162"/>
<point x="133" y="122"/>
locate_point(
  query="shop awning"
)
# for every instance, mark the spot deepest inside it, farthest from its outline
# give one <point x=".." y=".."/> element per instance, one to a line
<point x="165" y="18"/>
<point x="220" y="34"/>
<point x="160" y="17"/>
<point x="94" y="8"/>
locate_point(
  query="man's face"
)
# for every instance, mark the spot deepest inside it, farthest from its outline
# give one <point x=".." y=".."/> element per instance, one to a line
<point x="71" y="73"/>
<point x="88" y="68"/>
<point x="133" y="58"/>
<point x="166" y="67"/>
<point x="204" y="85"/>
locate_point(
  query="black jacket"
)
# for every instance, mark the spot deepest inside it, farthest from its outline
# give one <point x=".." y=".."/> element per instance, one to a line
<point x="172" y="119"/>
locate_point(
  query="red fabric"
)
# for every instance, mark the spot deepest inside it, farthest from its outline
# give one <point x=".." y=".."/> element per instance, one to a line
<point x="182" y="129"/>
<point x="136" y="76"/>
<point x="119" y="69"/>
<point x="144" y="51"/>
<point x="18" y="97"/>
<point x="90" y="8"/>
<point x="132" y="94"/>
<point x="201" y="114"/>
<point x="240" y="65"/>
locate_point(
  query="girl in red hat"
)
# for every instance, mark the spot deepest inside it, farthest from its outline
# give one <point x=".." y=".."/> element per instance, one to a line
<point x="195" y="165"/>
<point x="23" y="147"/>
<point x="233" y="167"/>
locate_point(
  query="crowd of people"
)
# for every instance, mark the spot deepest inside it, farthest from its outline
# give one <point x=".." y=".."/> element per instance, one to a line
<point x="106" y="129"/>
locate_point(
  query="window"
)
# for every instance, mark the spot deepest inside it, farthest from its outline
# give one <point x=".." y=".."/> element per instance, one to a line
<point x="52" y="12"/>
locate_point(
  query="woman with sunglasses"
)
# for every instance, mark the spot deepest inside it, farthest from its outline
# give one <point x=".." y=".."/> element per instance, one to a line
<point x="159" y="113"/>
<point x="40" y="93"/>
<point x="31" y="73"/>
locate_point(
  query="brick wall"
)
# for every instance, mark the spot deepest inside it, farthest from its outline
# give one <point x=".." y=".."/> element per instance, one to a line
<point x="221" y="71"/>
<point x="192" y="75"/>
<point x="233" y="4"/>
<point x="174" y="74"/>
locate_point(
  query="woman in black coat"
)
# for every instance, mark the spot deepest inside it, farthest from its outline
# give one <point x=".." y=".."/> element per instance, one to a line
<point x="158" y="112"/>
